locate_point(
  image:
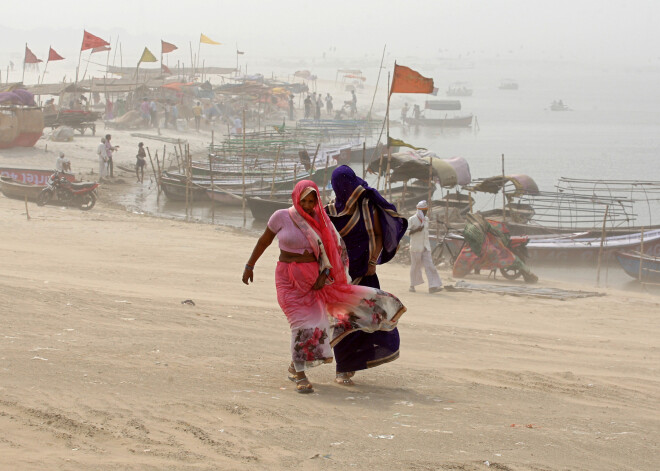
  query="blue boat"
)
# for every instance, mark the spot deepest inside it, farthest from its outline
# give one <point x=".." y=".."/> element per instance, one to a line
<point x="650" y="266"/>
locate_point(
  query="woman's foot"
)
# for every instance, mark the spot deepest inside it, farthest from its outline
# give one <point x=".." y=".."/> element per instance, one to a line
<point x="345" y="378"/>
<point x="303" y="386"/>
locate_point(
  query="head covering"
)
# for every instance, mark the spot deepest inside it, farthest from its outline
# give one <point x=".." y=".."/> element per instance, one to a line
<point x="420" y="206"/>
<point x="61" y="154"/>
<point x="350" y="191"/>
<point x="323" y="227"/>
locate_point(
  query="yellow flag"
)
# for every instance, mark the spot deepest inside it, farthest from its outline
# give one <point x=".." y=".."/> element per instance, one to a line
<point x="147" y="56"/>
<point x="207" y="40"/>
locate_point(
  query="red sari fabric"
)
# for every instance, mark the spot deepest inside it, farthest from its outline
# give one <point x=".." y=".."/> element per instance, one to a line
<point x="320" y="319"/>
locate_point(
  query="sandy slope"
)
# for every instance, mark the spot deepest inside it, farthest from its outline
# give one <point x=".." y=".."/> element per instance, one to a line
<point x="102" y="367"/>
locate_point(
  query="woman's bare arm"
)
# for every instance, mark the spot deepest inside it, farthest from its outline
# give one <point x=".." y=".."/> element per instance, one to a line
<point x="262" y="244"/>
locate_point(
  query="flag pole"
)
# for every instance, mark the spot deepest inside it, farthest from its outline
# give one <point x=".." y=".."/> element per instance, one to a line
<point x="386" y="181"/>
<point x="192" y="60"/>
<point x="46" y="66"/>
<point x="198" y="49"/>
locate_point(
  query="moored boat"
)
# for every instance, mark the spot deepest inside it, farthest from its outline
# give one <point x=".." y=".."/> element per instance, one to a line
<point x="641" y="267"/>
<point x="13" y="189"/>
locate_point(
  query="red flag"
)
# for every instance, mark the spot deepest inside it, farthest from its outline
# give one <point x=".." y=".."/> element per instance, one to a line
<point x="167" y="47"/>
<point x="90" y="41"/>
<point x="166" y="69"/>
<point x="30" y="58"/>
<point x="54" y="56"/>
<point x="100" y="49"/>
<point x="406" y="80"/>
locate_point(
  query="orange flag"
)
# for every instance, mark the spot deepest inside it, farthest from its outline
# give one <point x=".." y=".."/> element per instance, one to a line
<point x="30" y="58"/>
<point x="406" y="80"/>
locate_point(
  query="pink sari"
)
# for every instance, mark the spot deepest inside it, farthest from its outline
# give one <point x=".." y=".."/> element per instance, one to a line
<point x="320" y="319"/>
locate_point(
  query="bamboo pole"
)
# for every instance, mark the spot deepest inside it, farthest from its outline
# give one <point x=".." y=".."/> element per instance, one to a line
<point x="312" y="168"/>
<point x="602" y="241"/>
<point x="387" y="119"/>
<point x="364" y="159"/>
<point x="27" y="211"/>
<point x="176" y="154"/>
<point x="402" y="204"/>
<point x="212" y="187"/>
<point x="325" y="181"/>
<point x="641" y="254"/>
<point x="430" y="187"/>
<point x="277" y="158"/>
<point x="154" y="170"/>
<point x="504" y="193"/>
<point x="243" y="170"/>
<point x="188" y="188"/>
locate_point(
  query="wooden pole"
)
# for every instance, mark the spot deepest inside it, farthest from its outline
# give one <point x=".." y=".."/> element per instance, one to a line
<point x="430" y="186"/>
<point x="389" y="154"/>
<point x="387" y="117"/>
<point x="154" y="170"/>
<point x="402" y="204"/>
<point x="325" y="181"/>
<point x="178" y="164"/>
<point x="243" y="170"/>
<point x="277" y="158"/>
<point x="602" y="241"/>
<point x="312" y="168"/>
<point x="27" y="213"/>
<point x="504" y="193"/>
<point x="364" y="159"/>
<point x="212" y="187"/>
<point x="641" y="252"/>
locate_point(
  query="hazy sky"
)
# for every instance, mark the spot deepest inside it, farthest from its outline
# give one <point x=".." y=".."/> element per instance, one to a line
<point x="595" y="30"/>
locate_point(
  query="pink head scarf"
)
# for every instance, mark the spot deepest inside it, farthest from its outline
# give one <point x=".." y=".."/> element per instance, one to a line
<point x="323" y="227"/>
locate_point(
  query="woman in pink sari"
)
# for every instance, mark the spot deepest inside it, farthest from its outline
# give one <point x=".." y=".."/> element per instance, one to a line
<point x="313" y="285"/>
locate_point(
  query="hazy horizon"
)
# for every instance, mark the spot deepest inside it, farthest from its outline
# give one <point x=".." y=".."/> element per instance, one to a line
<point x="585" y="31"/>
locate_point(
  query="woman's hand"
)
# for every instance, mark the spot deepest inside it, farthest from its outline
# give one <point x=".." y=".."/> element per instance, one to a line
<point x="371" y="270"/>
<point x="320" y="281"/>
<point x="248" y="275"/>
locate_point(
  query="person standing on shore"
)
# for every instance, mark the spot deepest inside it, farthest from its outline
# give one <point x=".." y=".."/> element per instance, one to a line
<point x="420" y="251"/>
<point x="328" y="104"/>
<point x="141" y="162"/>
<point x="197" y="113"/>
<point x="291" y="107"/>
<point x="103" y="159"/>
<point x="109" y="149"/>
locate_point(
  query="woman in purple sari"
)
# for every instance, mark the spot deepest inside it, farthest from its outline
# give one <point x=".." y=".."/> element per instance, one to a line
<point x="371" y="229"/>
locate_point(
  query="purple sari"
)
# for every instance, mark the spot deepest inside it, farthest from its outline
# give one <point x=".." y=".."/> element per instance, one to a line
<point x="352" y="215"/>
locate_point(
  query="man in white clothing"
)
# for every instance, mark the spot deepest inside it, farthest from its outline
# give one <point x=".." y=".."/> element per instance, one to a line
<point x="103" y="158"/>
<point x="420" y="251"/>
<point x="62" y="164"/>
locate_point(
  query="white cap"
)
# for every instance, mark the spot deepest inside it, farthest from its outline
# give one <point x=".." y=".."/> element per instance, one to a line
<point x="422" y="205"/>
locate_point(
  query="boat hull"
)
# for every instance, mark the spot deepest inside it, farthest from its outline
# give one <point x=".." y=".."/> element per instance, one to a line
<point x="631" y="261"/>
<point x="459" y="122"/>
<point x="13" y="189"/>
<point x="580" y="249"/>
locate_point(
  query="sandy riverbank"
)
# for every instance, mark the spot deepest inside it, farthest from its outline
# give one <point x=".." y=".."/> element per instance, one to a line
<point x="102" y="367"/>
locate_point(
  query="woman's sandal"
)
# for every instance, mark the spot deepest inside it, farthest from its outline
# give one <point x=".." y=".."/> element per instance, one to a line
<point x="300" y="388"/>
<point x="345" y="378"/>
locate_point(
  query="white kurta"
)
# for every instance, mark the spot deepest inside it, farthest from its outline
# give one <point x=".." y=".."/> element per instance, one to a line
<point x="420" y="254"/>
<point x="101" y="152"/>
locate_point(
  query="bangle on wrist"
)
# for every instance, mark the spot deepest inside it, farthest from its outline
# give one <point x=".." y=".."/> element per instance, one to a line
<point x="373" y="262"/>
<point x="249" y="267"/>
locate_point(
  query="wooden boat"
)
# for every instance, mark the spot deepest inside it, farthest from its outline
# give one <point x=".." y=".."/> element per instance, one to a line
<point x="175" y="190"/>
<point x="31" y="176"/>
<point x="579" y="248"/>
<point x="459" y="89"/>
<point x="631" y="261"/>
<point x="453" y="122"/>
<point x="13" y="189"/>
<point x="508" y="84"/>
<point x="262" y="208"/>
<point x="559" y="106"/>
<point x="80" y="120"/>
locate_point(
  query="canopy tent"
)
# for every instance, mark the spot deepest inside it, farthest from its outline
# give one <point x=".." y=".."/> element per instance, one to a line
<point x="522" y="185"/>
